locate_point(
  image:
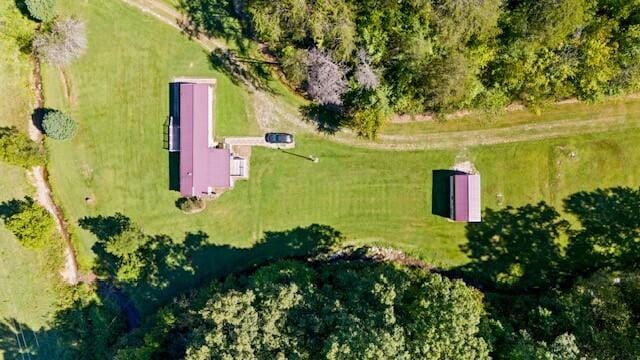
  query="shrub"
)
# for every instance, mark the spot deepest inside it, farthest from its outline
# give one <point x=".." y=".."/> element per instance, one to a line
<point x="43" y="10"/>
<point x="294" y="65"/>
<point x="29" y="222"/>
<point x="191" y="204"/>
<point x="370" y="113"/>
<point x="17" y="149"/>
<point x="326" y="79"/>
<point x="58" y="125"/>
<point x="365" y="75"/>
<point x="66" y="41"/>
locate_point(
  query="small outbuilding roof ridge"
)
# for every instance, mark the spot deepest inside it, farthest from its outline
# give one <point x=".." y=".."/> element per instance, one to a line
<point x="465" y="202"/>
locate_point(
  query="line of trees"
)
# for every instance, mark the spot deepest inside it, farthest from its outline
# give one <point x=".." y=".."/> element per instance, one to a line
<point x="444" y="55"/>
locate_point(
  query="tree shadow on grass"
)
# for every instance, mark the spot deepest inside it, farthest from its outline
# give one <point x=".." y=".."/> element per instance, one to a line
<point x="610" y="229"/>
<point x="86" y="329"/>
<point x="253" y="73"/>
<point x="38" y="115"/>
<point x="328" y="119"/>
<point x="94" y="321"/>
<point x="14" y="206"/>
<point x="22" y="6"/>
<point x="213" y="18"/>
<point x="533" y="249"/>
<point x="153" y="268"/>
<point x="515" y="249"/>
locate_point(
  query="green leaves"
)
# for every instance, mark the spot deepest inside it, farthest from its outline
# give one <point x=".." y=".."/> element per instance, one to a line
<point x="327" y="310"/>
<point x="42" y="10"/>
<point x="446" y="55"/>
<point x="17" y="149"/>
<point x="58" y="125"/>
<point x="29" y="222"/>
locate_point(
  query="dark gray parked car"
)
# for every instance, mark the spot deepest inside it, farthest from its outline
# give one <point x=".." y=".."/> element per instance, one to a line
<point x="279" y="138"/>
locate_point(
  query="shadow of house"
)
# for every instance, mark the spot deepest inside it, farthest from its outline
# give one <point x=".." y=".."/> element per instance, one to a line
<point x="441" y="192"/>
<point x="174" y="170"/>
<point x="151" y="269"/>
<point x="173" y="157"/>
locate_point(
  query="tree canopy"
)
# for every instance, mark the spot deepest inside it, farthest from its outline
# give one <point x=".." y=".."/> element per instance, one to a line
<point x="43" y="10"/>
<point x="337" y="310"/>
<point x="65" y="41"/>
<point x="446" y="55"/>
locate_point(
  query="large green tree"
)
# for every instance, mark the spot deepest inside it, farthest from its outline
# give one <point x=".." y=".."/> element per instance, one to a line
<point x="339" y="310"/>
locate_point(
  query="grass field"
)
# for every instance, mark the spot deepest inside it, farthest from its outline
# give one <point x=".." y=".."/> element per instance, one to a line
<point x="27" y="282"/>
<point x="26" y="279"/>
<point x="119" y="96"/>
<point x="15" y="67"/>
<point x="628" y="107"/>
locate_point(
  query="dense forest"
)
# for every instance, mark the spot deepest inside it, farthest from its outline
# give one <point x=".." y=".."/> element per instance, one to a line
<point x="338" y="310"/>
<point x="371" y="58"/>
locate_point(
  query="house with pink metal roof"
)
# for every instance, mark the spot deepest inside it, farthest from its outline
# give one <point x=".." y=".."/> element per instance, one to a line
<point x="205" y="167"/>
<point x="465" y="197"/>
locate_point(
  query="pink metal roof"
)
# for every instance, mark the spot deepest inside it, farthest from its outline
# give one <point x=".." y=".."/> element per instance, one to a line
<point x="461" y="198"/>
<point x="465" y="201"/>
<point x="201" y="167"/>
<point x="474" y="197"/>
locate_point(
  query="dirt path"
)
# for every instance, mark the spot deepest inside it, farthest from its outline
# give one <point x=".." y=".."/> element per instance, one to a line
<point x="273" y="114"/>
<point x="38" y="175"/>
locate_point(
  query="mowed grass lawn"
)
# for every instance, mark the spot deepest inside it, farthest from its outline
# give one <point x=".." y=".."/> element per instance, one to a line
<point x="119" y="97"/>
<point x="27" y="282"/>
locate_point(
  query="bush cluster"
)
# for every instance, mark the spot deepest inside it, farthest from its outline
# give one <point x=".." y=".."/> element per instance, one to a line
<point x="65" y="42"/>
<point x="58" y="125"/>
<point x="42" y="10"/>
<point x="191" y="204"/>
<point x="29" y="222"/>
<point x="17" y="149"/>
